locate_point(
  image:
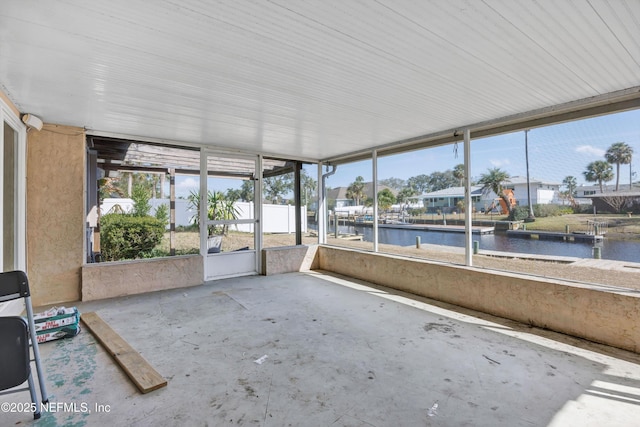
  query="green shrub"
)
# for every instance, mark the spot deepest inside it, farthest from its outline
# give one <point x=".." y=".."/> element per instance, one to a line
<point x="583" y="209"/>
<point x="129" y="237"/>
<point x="140" y="197"/>
<point x="188" y="228"/>
<point x="542" y="211"/>
<point x="162" y="213"/>
<point x="519" y="213"/>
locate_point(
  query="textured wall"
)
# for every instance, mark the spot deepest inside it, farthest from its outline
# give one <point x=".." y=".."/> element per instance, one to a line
<point x="607" y="317"/>
<point x="55" y="213"/>
<point x="114" y="279"/>
<point x="289" y="259"/>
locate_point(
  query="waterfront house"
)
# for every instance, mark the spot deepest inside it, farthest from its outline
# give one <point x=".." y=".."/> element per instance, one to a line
<point x="446" y="200"/>
<point x="542" y="192"/>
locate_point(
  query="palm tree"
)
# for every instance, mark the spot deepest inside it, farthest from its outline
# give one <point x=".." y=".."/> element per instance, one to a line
<point x="458" y="173"/>
<point x="308" y="185"/>
<point x="404" y="194"/>
<point x="571" y="183"/>
<point x="619" y="154"/>
<point x="492" y="181"/>
<point x="599" y="171"/>
<point x="218" y="208"/>
<point x="385" y="199"/>
<point x="355" y="190"/>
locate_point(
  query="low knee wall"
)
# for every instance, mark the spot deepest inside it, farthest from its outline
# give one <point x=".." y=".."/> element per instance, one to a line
<point x="607" y="317"/>
<point x="121" y="278"/>
<point x="289" y="259"/>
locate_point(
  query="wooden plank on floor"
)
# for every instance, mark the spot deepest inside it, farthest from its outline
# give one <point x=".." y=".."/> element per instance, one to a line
<point x="134" y="365"/>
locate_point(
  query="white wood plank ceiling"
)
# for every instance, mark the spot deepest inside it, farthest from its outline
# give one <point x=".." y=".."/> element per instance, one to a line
<point x="310" y="79"/>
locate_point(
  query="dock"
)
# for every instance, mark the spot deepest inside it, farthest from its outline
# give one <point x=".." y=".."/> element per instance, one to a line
<point x="554" y="235"/>
<point x="441" y="228"/>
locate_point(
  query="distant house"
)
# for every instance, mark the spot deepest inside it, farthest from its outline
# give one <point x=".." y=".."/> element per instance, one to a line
<point x="610" y="201"/>
<point x="586" y="191"/>
<point x="591" y="194"/>
<point x="339" y="194"/>
<point x="542" y="192"/>
<point x="446" y="200"/>
<point x="616" y="202"/>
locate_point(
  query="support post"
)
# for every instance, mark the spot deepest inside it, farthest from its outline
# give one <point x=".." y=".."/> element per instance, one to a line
<point x="258" y="228"/>
<point x="374" y="158"/>
<point x="172" y="212"/>
<point x="203" y="207"/>
<point x="468" y="220"/>
<point x="323" y="215"/>
<point x="297" y="193"/>
<point x="162" y="180"/>
<point x="526" y="153"/>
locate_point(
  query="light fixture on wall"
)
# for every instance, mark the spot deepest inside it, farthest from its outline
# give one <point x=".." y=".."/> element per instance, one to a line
<point x="32" y="122"/>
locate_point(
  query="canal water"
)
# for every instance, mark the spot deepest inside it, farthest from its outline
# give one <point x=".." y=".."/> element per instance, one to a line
<point x="621" y="250"/>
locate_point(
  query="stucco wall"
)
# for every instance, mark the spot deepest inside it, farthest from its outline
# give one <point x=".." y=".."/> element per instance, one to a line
<point x="55" y="209"/>
<point x="607" y="317"/>
<point x="114" y="279"/>
<point x="289" y="259"/>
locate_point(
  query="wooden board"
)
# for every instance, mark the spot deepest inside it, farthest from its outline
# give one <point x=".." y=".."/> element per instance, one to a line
<point x="134" y="365"/>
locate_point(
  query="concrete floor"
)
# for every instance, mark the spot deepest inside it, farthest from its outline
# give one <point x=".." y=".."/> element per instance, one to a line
<point x="338" y="352"/>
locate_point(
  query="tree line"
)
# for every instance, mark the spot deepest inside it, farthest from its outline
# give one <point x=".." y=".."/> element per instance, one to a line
<point x="599" y="171"/>
<point x="405" y="189"/>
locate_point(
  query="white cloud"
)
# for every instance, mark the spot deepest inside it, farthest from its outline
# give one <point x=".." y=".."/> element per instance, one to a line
<point x="188" y="183"/>
<point x="185" y="185"/>
<point x="591" y="150"/>
<point x="499" y="162"/>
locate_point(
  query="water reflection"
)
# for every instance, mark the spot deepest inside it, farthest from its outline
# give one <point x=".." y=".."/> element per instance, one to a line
<point x="621" y="250"/>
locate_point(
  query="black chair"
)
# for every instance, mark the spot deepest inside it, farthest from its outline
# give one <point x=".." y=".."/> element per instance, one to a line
<point x="16" y="335"/>
<point x="15" y="360"/>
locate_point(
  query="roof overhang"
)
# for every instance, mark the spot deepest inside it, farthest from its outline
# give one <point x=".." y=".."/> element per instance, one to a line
<point x="123" y="155"/>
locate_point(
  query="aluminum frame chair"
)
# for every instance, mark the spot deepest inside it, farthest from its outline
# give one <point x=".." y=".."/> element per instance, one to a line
<point x="15" y="285"/>
<point x="15" y="359"/>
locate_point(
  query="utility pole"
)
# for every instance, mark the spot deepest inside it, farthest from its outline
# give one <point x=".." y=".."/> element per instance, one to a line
<point x="526" y="152"/>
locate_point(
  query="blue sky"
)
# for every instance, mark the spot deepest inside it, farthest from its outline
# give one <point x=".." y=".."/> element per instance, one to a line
<point x="554" y="153"/>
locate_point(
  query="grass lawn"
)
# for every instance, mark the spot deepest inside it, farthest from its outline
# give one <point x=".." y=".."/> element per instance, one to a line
<point x="190" y="241"/>
<point x="619" y="226"/>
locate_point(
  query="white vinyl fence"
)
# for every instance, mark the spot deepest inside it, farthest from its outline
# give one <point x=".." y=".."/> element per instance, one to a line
<point x="276" y="218"/>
